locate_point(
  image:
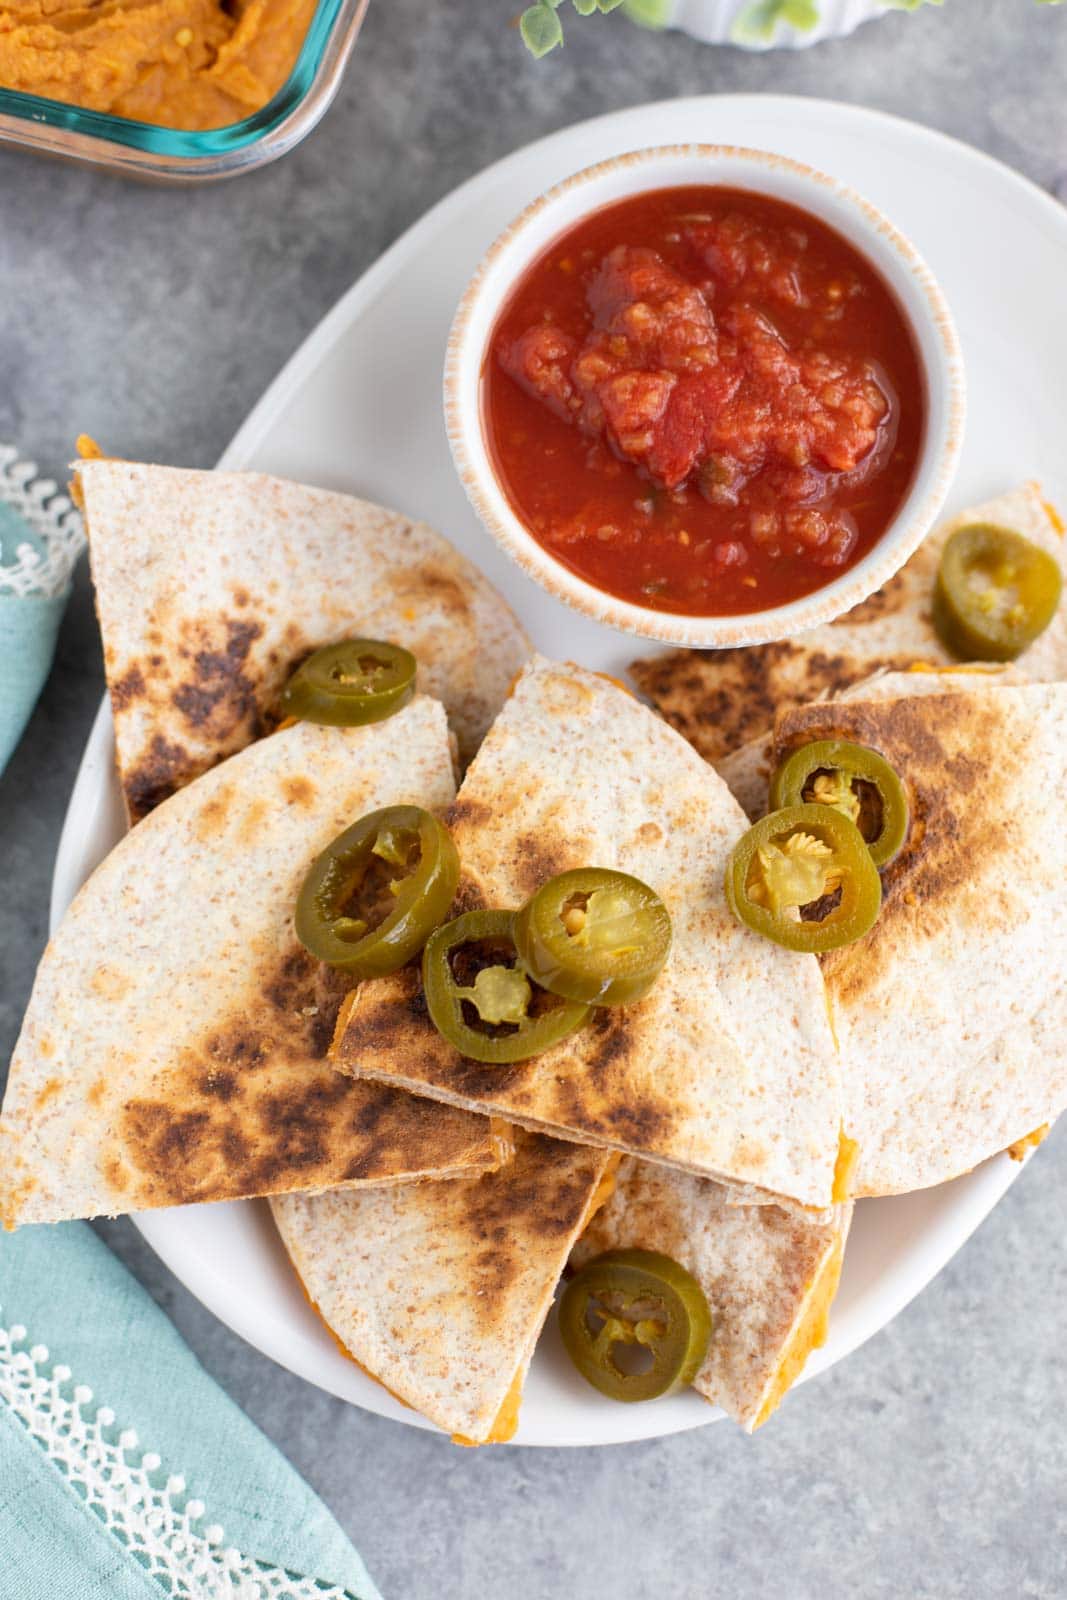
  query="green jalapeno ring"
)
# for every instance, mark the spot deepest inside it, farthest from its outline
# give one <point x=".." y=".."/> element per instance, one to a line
<point x="419" y="894"/>
<point x="996" y="592"/>
<point x="797" y="778"/>
<point x="639" y="1298"/>
<point x="351" y="683"/>
<point x="507" y="992"/>
<point x="833" y="843"/>
<point x="594" y="935"/>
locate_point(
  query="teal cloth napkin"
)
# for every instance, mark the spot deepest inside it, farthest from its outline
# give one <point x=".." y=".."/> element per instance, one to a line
<point x="40" y="540"/>
<point x="29" y="625"/>
<point x="125" y="1472"/>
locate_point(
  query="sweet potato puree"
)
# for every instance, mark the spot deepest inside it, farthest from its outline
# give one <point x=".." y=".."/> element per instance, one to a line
<point x="187" y="64"/>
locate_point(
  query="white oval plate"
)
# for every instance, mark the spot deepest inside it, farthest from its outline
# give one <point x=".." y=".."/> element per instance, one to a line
<point x="359" y="408"/>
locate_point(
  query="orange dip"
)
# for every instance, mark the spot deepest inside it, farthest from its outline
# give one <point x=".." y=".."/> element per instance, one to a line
<point x="188" y="64"/>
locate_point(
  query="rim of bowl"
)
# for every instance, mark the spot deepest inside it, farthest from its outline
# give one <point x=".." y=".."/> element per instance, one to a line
<point x="938" y="457"/>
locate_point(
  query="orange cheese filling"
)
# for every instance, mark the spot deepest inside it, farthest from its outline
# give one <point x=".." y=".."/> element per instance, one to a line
<point x="1054" y="517"/>
<point x="810" y="1332"/>
<point x="848" y="1154"/>
<point x="341" y="1024"/>
<point x="603" y="1191"/>
<point x="1022" y="1147"/>
<point x="506" y="1420"/>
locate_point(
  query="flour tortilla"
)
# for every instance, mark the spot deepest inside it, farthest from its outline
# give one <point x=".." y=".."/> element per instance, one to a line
<point x="747" y="771"/>
<point x="212" y="586"/>
<point x="174" y="1048"/>
<point x="952" y="1012"/>
<point x="728" y="1066"/>
<point x="769" y="1276"/>
<point x="439" y="1290"/>
<point x="721" y="699"/>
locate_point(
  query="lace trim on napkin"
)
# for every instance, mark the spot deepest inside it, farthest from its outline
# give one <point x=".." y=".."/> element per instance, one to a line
<point x="51" y="517"/>
<point x="169" y="1535"/>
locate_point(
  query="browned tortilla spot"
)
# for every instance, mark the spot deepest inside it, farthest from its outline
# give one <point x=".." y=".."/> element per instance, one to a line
<point x="717" y="700"/>
<point x="605" y="1099"/>
<point x="215" y="812"/>
<point x="541" y="856"/>
<point x="388" y="1021"/>
<point x="255" y="815"/>
<point x="232" y="1121"/>
<point x="115" y="1173"/>
<point x="542" y="1194"/>
<point x="469" y="897"/>
<point x="467" y="811"/>
<point x="219" y="692"/>
<point x="110" y="984"/>
<point x="720" y="699"/>
<point x="157" y="775"/>
<point x="429" y="584"/>
<point x="128" y="688"/>
<point x="390" y="1015"/>
<point x="216" y="698"/>
<point x="961" y="809"/>
<point x="299" y="791"/>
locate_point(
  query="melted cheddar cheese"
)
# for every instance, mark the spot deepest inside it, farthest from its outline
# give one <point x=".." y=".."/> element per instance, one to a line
<point x="808" y="1335"/>
<point x="848" y="1153"/>
<point x="1022" y="1147"/>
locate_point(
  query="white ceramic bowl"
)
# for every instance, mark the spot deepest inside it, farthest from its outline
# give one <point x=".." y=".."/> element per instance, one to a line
<point x="833" y="203"/>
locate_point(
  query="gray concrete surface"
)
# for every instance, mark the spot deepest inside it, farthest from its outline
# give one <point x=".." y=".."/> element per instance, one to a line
<point x="931" y="1464"/>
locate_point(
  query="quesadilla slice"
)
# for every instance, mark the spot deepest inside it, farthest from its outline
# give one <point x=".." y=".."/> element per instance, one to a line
<point x="721" y="699"/>
<point x="439" y="1290"/>
<point x="747" y="771"/>
<point x="728" y="1066"/>
<point x="212" y="586"/>
<point x="951" y="1012"/>
<point x="769" y="1276"/>
<point x="174" y="1049"/>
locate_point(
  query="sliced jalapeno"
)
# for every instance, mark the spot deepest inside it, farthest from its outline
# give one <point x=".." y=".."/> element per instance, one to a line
<point x="374" y="895"/>
<point x="481" y="1000"/>
<point x="635" y="1324"/>
<point x="804" y="878"/>
<point x="351" y="683"/>
<point x="853" y="779"/>
<point x="594" y="935"/>
<point x="996" y="592"/>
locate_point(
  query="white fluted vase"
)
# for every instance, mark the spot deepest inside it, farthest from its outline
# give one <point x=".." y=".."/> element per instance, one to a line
<point x="736" y="21"/>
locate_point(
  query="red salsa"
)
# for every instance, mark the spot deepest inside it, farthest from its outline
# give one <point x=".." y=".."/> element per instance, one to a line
<point x="704" y="401"/>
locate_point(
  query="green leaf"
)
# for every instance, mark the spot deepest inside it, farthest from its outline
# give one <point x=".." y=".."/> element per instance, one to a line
<point x="585" y="8"/>
<point x="760" y="18"/>
<point x="541" y="29"/>
<point x="648" y="13"/>
<point x="607" y="5"/>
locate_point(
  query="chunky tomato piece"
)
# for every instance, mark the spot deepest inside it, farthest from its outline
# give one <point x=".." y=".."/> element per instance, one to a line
<point x="704" y="400"/>
<point x="541" y="359"/>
